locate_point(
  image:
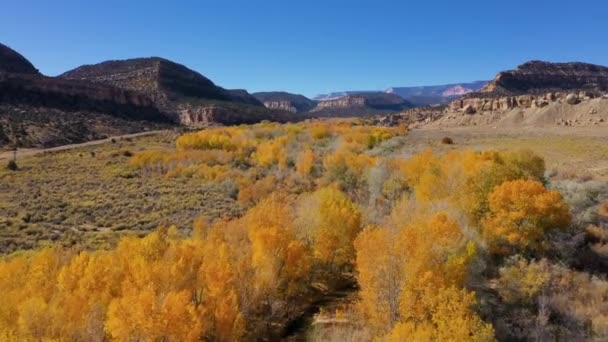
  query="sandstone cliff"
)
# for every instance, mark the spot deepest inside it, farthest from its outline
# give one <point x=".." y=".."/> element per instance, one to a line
<point x="361" y="104"/>
<point x="36" y="110"/>
<point x="536" y="84"/>
<point x="543" y="77"/>
<point x="279" y="100"/>
<point x="181" y="93"/>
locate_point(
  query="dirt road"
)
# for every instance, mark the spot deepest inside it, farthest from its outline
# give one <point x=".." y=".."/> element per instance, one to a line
<point x="33" y="151"/>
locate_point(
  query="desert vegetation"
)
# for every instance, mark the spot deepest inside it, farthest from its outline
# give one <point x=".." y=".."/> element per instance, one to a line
<point x="234" y="233"/>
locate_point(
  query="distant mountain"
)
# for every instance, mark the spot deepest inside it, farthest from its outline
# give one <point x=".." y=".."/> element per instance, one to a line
<point x="438" y="94"/>
<point x="184" y="94"/>
<point x="360" y="103"/>
<point x="294" y="103"/>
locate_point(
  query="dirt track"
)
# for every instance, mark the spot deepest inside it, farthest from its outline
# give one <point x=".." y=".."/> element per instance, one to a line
<point x="33" y="151"/>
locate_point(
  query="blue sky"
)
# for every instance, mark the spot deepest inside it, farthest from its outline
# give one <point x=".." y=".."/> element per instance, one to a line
<point x="311" y="47"/>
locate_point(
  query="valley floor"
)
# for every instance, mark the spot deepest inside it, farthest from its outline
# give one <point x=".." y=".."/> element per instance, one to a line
<point x="88" y="196"/>
<point x="568" y="151"/>
<point x="86" y="193"/>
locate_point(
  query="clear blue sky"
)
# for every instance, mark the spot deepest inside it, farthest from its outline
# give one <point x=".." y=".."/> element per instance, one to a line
<point x="311" y="47"/>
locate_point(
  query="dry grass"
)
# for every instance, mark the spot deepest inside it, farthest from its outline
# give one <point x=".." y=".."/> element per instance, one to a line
<point x="91" y="196"/>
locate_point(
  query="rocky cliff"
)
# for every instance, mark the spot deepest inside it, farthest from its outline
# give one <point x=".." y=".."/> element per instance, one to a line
<point x="361" y="104"/>
<point x="279" y="100"/>
<point x="543" y="77"/>
<point x="36" y="110"/>
<point x="536" y="84"/>
<point x="180" y="92"/>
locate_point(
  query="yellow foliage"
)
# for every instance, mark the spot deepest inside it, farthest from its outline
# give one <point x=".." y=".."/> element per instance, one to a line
<point x="277" y="256"/>
<point x="320" y="131"/>
<point x="305" y="163"/>
<point x="521" y="213"/>
<point x="522" y="281"/>
<point x="339" y="224"/>
<point x="447" y="316"/>
<point x="272" y="152"/>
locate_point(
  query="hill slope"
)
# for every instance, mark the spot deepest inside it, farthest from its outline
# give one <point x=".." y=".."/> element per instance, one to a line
<point x="13" y="62"/>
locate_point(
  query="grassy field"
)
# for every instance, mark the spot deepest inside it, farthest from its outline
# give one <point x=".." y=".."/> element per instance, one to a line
<point x="569" y="153"/>
<point x="91" y="196"/>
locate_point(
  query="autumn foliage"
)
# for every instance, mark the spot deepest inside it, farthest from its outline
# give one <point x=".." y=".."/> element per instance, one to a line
<point x="324" y="204"/>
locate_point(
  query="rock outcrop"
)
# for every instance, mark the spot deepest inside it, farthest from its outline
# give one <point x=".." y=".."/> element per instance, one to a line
<point x="36" y="110"/>
<point x="345" y="102"/>
<point x="279" y="100"/>
<point x="181" y="93"/>
<point x="543" y="77"/>
<point x="367" y="103"/>
<point x="535" y="85"/>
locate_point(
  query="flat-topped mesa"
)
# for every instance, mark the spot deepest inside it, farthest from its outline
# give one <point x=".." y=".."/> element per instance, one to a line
<point x="281" y="105"/>
<point x="536" y="84"/>
<point x="180" y="92"/>
<point x="22" y="85"/>
<point x="158" y="78"/>
<point x="341" y="103"/>
<point x="13" y="62"/>
<point x="542" y="77"/>
<point x="279" y="100"/>
<point x="375" y="101"/>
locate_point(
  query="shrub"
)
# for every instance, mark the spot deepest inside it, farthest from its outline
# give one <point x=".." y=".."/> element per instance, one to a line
<point x="447" y="141"/>
<point x="12" y="165"/>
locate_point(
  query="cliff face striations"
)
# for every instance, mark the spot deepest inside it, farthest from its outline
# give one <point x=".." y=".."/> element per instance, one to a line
<point x="280" y="100"/>
<point x="181" y="93"/>
<point x="364" y="103"/>
<point x="36" y="110"/>
<point x="536" y="84"/>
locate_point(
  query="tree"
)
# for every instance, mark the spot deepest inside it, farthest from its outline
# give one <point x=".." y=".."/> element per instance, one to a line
<point x="279" y="259"/>
<point x="447" y="316"/>
<point x="521" y="212"/>
<point x="380" y="272"/>
<point x="339" y="224"/>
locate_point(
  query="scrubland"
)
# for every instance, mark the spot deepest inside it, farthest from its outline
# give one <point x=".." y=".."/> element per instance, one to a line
<point x="235" y="233"/>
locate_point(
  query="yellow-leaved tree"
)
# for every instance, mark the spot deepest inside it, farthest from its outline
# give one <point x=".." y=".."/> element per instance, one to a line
<point x="521" y="212"/>
<point x="339" y="222"/>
